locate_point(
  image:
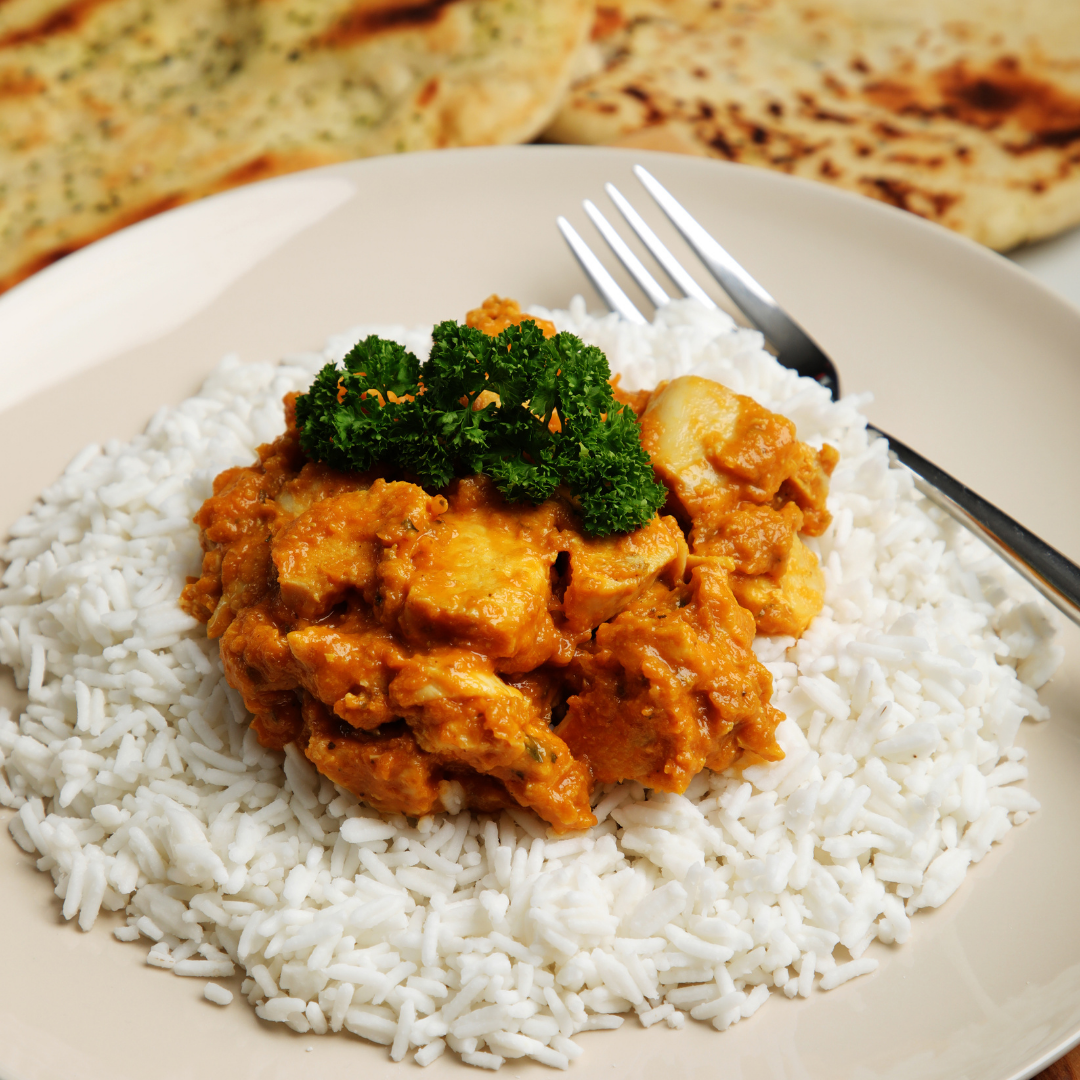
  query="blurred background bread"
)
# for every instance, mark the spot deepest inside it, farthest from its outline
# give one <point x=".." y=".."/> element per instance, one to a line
<point x="966" y="112"/>
<point x="113" y="110"/>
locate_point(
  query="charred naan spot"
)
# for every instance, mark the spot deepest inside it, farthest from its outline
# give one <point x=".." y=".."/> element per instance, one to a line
<point x="258" y="168"/>
<point x="1062" y="138"/>
<point x="998" y="95"/>
<point x="721" y="145"/>
<point x="921" y="161"/>
<point x="814" y="111"/>
<point x="776" y="109"/>
<point x="832" y="83"/>
<point x="653" y="114"/>
<point x="64" y="20"/>
<point x="916" y="200"/>
<point x="39" y="262"/>
<point x="17" y="84"/>
<point x="860" y="65"/>
<point x="363" y="21"/>
<point x="888" y="131"/>
<point x="1005" y="92"/>
<point x="428" y="92"/>
<point x="832" y="117"/>
<point x="263" y="167"/>
<point x="607" y="21"/>
<point x="828" y="169"/>
<point x="897" y="97"/>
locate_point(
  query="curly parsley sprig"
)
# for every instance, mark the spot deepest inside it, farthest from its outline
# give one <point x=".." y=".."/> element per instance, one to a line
<point x="383" y="406"/>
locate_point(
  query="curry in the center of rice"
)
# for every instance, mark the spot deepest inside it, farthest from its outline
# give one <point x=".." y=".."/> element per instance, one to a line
<point x="430" y="651"/>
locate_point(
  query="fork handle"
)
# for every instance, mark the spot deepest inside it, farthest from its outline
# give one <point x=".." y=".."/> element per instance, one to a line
<point x="1055" y="576"/>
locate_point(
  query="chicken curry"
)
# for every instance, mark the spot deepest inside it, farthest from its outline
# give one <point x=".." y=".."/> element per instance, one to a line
<point x="435" y="650"/>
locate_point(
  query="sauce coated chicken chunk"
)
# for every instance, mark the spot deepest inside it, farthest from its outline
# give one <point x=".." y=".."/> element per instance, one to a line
<point x="435" y="650"/>
<point x="745" y="488"/>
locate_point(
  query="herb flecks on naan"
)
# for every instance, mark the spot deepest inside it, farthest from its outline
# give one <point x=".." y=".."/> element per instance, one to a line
<point x="114" y="110"/>
<point x="966" y="112"/>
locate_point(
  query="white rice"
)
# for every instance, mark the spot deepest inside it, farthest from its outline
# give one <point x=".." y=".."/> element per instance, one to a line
<point x="141" y="788"/>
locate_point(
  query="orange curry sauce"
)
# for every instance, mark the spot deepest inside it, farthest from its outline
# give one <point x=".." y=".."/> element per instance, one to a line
<point x="437" y="650"/>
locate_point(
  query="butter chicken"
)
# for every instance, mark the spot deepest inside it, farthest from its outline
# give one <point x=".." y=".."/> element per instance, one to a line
<point x="432" y="650"/>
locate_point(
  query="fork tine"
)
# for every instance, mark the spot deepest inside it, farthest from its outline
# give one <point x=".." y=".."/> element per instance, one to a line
<point x="649" y="285"/>
<point x="605" y="284"/>
<point x="795" y="348"/>
<point x="674" y="269"/>
<point x="744" y="291"/>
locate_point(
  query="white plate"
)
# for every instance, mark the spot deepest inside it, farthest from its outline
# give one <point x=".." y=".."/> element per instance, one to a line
<point x="970" y="359"/>
<point x="1055" y="262"/>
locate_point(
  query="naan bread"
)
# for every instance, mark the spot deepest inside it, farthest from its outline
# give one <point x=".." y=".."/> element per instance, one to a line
<point x="113" y="110"/>
<point x="966" y="112"/>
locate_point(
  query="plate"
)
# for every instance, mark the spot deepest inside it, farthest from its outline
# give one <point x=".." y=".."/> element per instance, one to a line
<point x="969" y="359"/>
<point x="1055" y="262"/>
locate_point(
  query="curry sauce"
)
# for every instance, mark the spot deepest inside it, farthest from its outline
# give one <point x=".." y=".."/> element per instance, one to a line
<point x="430" y="651"/>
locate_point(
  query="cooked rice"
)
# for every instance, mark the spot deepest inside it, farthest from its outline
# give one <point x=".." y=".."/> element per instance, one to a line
<point x="141" y="788"/>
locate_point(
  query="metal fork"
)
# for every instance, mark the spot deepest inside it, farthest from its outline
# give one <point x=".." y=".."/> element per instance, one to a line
<point x="1055" y="576"/>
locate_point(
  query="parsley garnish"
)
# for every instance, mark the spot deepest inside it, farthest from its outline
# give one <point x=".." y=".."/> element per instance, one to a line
<point x="385" y="407"/>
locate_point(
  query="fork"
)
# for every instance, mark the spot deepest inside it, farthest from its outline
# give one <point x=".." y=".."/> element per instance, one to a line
<point x="1055" y="576"/>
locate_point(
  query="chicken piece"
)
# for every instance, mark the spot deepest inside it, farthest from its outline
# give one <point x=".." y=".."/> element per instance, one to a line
<point x="351" y="672"/>
<point x="317" y="481"/>
<point x="808" y="486"/>
<point x="234" y="525"/>
<point x="244" y="499"/>
<point x="758" y="539"/>
<point x="609" y="573"/>
<point x="334" y="546"/>
<point x="257" y="662"/>
<point x="244" y="580"/>
<point x="682" y="423"/>
<point x="466" y="788"/>
<point x="481" y="578"/>
<point x="386" y="768"/>
<point x="787" y="604"/>
<point x="671" y="685"/>
<point x="278" y="724"/>
<point x="201" y="595"/>
<point x="460" y="710"/>
<point x="739" y="476"/>
<point x="256" y="657"/>
<point x="545" y="688"/>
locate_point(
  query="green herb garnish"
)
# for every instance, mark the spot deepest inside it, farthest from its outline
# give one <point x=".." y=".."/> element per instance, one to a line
<point x="385" y="407"/>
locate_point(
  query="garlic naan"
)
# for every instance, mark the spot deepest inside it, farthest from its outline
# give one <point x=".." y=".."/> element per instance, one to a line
<point x="966" y="112"/>
<point x="113" y="110"/>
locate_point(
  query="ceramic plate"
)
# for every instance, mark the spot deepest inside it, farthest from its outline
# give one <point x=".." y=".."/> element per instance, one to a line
<point x="969" y="359"/>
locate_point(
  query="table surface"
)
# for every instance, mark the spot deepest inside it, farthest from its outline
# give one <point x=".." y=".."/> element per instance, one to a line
<point x="1056" y="263"/>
